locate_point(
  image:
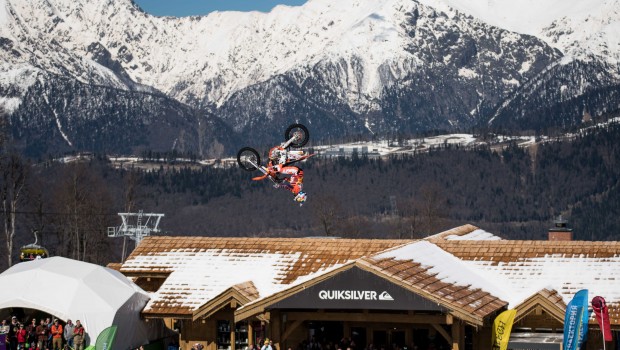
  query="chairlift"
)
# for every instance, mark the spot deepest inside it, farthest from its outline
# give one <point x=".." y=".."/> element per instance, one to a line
<point x="33" y="251"/>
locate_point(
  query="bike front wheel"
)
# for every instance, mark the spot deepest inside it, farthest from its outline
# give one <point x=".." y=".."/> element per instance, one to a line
<point x="248" y="159"/>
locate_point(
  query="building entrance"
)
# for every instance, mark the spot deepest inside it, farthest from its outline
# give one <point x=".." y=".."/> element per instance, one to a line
<point x="358" y="336"/>
<point x="324" y="332"/>
<point x="428" y="338"/>
<point x="388" y="339"/>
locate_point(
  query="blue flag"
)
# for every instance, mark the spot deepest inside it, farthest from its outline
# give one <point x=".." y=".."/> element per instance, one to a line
<point x="576" y="321"/>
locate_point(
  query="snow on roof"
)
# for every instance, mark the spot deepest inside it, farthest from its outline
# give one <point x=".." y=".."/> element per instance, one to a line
<point x="445" y="266"/>
<point x="566" y="274"/>
<point x="515" y="270"/>
<point x="476" y="235"/>
<point x="201" y="268"/>
<point x="465" y="268"/>
<point x="210" y="272"/>
<point x="465" y="232"/>
<point x="524" y="267"/>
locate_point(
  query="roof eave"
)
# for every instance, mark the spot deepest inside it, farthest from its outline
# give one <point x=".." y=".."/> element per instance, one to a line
<point x="219" y="302"/>
<point x="526" y="307"/>
<point x="255" y="309"/>
<point x="159" y="315"/>
<point x="456" y="312"/>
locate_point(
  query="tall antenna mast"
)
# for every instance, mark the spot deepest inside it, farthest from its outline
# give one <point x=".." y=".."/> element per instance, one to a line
<point x="144" y="225"/>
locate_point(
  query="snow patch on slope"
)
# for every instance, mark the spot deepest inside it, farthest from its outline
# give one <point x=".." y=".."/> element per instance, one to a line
<point x="576" y="27"/>
<point x="3" y="15"/>
<point x="19" y="78"/>
<point x="58" y="125"/>
<point x="10" y="104"/>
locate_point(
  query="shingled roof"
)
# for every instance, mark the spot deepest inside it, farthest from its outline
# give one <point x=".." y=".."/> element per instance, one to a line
<point x="425" y="269"/>
<point x="522" y="268"/>
<point x="430" y="272"/>
<point x="200" y="268"/>
<point x="468" y="270"/>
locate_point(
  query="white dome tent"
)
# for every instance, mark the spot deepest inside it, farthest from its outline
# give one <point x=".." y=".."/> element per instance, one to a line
<point x="68" y="289"/>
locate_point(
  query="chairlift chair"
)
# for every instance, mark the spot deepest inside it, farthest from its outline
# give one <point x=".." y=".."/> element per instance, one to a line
<point x="33" y="251"/>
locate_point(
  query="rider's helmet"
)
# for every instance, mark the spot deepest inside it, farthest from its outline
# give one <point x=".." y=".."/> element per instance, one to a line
<point x="277" y="155"/>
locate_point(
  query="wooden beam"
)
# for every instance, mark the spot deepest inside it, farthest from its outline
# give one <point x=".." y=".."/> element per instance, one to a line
<point x="230" y="297"/>
<point x="290" y="330"/>
<point x="458" y="336"/>
<point x="250" y="333"/>
<point x="539" y="302"/>
<point x="367" y="317"/>
<point x="233" y="327"/>
<point x="408" y="335"/>
<point x="443" y="332"/>
<point x="161" y="275"/>
<point x="275" y="328"/>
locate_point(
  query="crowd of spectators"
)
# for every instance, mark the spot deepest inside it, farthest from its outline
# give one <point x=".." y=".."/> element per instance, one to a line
<point x="349" y="344"/>
<point x="47" y="335"/>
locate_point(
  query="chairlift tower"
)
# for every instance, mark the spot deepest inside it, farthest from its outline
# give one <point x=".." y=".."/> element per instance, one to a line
<point x="145" y="223"/>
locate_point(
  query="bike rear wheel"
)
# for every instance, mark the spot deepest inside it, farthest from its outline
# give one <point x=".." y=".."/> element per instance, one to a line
<point x="300" y="131"/>
<point x="248" y="159"/>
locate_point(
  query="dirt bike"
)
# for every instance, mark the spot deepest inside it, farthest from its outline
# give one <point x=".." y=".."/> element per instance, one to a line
<point x="295" y="136"/>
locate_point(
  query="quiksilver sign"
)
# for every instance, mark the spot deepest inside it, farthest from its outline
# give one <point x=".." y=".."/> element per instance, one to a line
<point x="356" y="289"/>
<point x="354" y="295"/>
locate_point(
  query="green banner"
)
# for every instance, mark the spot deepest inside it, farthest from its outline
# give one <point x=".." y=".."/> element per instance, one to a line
<point x="106" y="339"/>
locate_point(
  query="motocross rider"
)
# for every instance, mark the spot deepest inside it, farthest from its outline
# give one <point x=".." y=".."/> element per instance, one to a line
<point x="277" y="165"/>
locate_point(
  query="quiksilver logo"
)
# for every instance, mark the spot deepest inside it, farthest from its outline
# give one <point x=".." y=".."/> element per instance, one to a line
<point x="353" y="295"/>
<point x="385" y="296"/>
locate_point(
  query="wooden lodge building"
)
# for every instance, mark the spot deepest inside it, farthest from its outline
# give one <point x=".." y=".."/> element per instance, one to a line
<point x="442" y="292"/>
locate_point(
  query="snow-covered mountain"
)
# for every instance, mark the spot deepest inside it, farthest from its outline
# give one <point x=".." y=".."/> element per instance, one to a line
<point x="340" y="66"/>
<point x="579" y="29"/>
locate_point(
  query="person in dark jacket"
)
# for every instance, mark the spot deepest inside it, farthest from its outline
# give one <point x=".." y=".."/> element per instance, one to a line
<point x="12" y="336"/>
<point x="32" y="332"/>
<point x="42" y="334"/>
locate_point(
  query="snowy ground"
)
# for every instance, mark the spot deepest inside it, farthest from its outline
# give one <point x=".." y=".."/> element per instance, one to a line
<point x="378" y="149"/>
<point x="373" y="149"/>
<point x="412" y="146"/>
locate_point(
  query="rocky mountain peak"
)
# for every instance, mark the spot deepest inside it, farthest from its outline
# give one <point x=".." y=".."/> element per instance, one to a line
<point x="350" y="66"/>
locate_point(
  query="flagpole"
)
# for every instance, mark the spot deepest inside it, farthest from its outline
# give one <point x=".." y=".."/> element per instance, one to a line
<point x="603" y="329"/>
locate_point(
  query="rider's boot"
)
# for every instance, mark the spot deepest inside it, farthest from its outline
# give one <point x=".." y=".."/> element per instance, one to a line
<point x="297" y="183"/>
<point x="300" y="197"/>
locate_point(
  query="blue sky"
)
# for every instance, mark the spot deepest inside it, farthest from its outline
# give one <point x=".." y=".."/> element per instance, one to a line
<point x="202" y="7"/>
